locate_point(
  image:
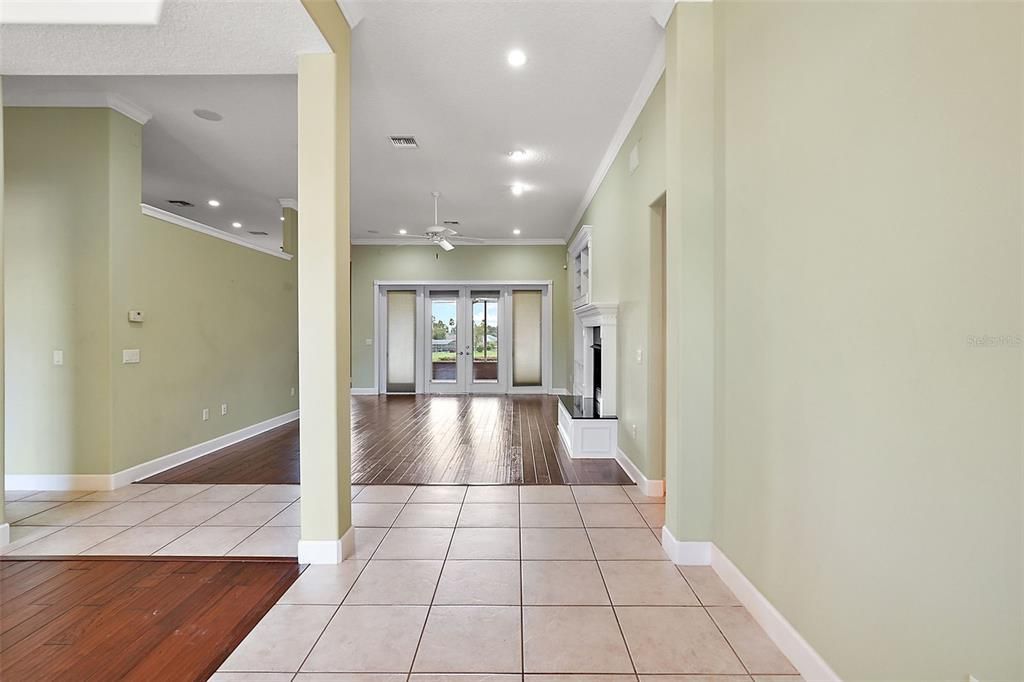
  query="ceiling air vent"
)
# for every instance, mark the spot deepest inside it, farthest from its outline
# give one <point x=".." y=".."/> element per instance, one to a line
<point x="181" y="202"/>
<point x="259" y="234"/>
<point x="451" y="222"/>
<point x="404" y="142"/>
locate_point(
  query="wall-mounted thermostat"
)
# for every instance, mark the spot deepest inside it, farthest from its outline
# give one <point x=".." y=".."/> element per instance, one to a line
<point x="135" y="316"/>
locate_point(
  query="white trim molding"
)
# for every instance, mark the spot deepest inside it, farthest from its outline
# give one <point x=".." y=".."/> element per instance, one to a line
<point x="139" y="12"/>
<point x="327" y="551"/>
<point x="79" y="100"/>
<point x="685" y="553"/>
<point x="144" y="470"/>
<point x="798" y="650"/>
<point x="5" y="534"/>
<point x="289" y="203"/>
<point x="399" y="241"/>
<point x="371" y="390"/>
<point x="174" y="219"/>
<point x="647" y="84"/>
<point x="648" y="486"/>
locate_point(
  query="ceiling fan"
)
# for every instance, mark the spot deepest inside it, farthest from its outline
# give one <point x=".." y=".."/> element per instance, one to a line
<point x="441" y="235"/>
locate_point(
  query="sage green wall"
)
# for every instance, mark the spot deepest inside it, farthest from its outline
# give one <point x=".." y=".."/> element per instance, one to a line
<point x="57" y="290"/>
<point x="869" y="477"/>
<point x="220" y="320"/>
<point x="423" y="263"/>
<point x="621" y="214"/>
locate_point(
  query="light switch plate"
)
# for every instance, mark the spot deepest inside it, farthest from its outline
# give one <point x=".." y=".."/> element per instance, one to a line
<point x="135" y="316"/>
<point x="223" y="409"/>
<point x="131" y="356"/>
<point x="368" y="342"/>
<point x="58" y="357"/>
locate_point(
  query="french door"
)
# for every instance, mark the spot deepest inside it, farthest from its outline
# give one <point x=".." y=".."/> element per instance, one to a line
<point x="464" y="338"/>
<point x="466" y="334"/>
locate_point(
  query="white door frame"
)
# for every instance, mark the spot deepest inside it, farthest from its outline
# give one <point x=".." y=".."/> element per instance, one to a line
<point x="380" y="288"/>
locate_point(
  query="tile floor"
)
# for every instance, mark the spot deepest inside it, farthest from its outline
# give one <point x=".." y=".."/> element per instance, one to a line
<point x="556" y="583"/>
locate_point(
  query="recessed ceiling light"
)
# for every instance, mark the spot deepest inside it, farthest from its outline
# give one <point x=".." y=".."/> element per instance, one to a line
<point x="518" y="155"/>
<point x="213" y="202"/>
<point x="207" y="115"/>
<point x="282" y="219"/>
<point x="403" y="231"/>
<point x="516" y="58"/>
<point x="236" y="225"/>
<point x="517" y="231"/>
<point x="518" y="188"/>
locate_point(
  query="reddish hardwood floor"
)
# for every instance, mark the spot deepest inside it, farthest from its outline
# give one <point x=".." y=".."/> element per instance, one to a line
<point x="121" y="619"/>
<point x="420" y="439"/>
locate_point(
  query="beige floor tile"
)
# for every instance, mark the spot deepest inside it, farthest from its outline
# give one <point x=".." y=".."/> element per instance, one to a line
<point x="15" y="495"/>
<point x="433" y="494"/>
<point x="488" y="583"/>
<point x="187" y="514"/>
<point x="492" y="494"/>
<point x="280" y="641"/>
<point x="246" y="514"/>
<point x="551" y="515"/>
<point x="66" y="514"/>
<point x="563" y="583"/>
<point x="126" y="514"/>
<point x="368" y="639"/>
<point x="374" y="515"/>
<point x="436" y="515"/>
<point x="573" y="639"/>
<point x="323" y="583"/>
<point x="695" y="678"/>
<point x="489" y="515"/>
<point x="546" y="494"/>
<point x="350" y="677"/>
<point x="291" y="516"/>
<point x="654" y="515"/>
<point x="225" y="493"/>
<point x="280" y="492"/>
<point x="777" y="678"/>
<point x="611" y="516"/>
<point x="556" y="543"/>
<point x="70" y="540"/>
<point x="471" y="639"/>
<point x="638" y="497"/>
<point x="464" y="677"/>
<point x="385" y="494"/>
<point x="626" y="543"/>
<point x="23" y="535"/>
<point x="366" y="542"/>
<point x="122" y="494"/>
<point x="57" y="495"/>
<point x="207" y="541"/>
<point x="582" y="678"/>
<point x="138" y="541"/>
<point x="758" y="653"/>
<point x="18" y="511"/>
<point x="485" y="543"/>
<point x="599" y="494"/>
<point x="176" y="492"/>
<point x="415" y="543"/>
<point x="676" y="640"/>
<point x="269" y="541"/>
<point x="708" y="587"/>
<point x="250" y="677"/>
<point x="646" y="583"/>
<point x="393" y="583"/>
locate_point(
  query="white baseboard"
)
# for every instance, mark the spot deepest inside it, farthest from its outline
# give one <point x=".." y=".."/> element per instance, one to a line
<point x="649" y="487"/>
<point x="328" y="551"/>
<point x="363" y="391"/>
<point x="558" y="391"/>
<point x="150" y="468"/>
<point x="5" y="534"/>
<point x="685" y="553"/>
<point x="801" y="654"/>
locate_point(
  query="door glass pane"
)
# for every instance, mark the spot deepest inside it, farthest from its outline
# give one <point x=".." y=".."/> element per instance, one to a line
<point x="526" y="338"/>
<point x="485" y="336"/>
<point x="444" y="321"/>
<point x="401" y="377"/>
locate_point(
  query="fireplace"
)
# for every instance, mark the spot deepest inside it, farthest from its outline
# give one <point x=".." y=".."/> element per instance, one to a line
<point x="595" y="347"/>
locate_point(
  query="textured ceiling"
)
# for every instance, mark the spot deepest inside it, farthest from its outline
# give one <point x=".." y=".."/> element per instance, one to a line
<point x="193" y="37"/>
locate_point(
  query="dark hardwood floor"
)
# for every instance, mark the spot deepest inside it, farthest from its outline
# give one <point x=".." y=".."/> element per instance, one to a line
<point x="100" y="619"/>
<point x="420" y="439"/>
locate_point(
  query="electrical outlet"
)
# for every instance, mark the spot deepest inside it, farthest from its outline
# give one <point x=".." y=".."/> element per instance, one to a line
<point x="632" y="428"/>
<point x="639" y="356"/>
<point x="58" y="357"/>
<point x="293" y="390"/>
<point x="368" y="342"/>
<point x="206" y="414"/>
<point x="223" y="409"/>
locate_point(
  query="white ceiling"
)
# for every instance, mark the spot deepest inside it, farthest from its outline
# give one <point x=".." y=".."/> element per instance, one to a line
<point x="436" y="70"/>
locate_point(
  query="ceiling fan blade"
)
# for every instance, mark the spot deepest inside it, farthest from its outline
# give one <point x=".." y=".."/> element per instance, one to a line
<point x="461" y="238"/>
<point x="446" y="245"/>
<point x="410" y="236"/>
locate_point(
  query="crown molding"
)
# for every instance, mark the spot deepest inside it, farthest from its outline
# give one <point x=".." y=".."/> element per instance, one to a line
<point x="289" y="203"/>
<point x="96" y="12"/>
<point x="483" y="242"/>
<point x="168" y="217"/>
<point x="353" y="14"/>
<point x="79" y="100"/>
<point x="647" y="84"/>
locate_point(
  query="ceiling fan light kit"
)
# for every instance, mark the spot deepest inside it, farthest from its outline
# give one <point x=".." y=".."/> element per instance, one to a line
<point x="439" y="235"/>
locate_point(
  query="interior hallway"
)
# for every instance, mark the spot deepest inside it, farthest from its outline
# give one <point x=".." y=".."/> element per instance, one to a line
<point x="420" y="439"/>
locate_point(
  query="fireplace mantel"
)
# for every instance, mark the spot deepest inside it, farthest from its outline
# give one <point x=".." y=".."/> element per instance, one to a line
<point x="603" y="316"/>
<point x="598" y="314"/>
